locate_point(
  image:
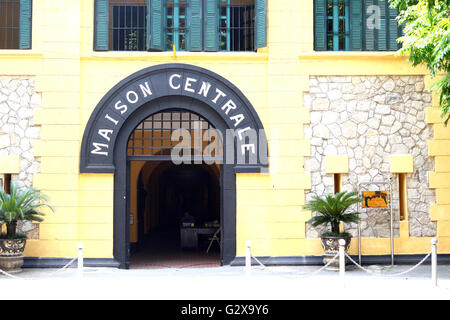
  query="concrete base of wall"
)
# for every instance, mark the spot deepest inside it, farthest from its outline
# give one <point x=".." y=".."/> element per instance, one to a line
<point x="240" y="261"/>
<point x="61" y="262"/>
<point x="366" y="260"/>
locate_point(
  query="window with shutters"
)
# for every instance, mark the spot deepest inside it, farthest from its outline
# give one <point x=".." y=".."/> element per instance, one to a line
<point x="176" y="26"/>
<point x="127" y="25"/>
<point x="355" y="25"/>
<point x="189" y="25"/>
<point x="15" y="24"/>
<point x="236" y="25"/>
<point x="337" y="25"/>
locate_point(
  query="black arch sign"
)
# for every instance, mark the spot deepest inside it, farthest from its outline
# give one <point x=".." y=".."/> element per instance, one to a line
<point x="157" y="82"/>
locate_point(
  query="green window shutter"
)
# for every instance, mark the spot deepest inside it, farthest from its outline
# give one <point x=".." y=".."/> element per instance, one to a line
<point x="156" y="34"/>
<point x="260" y="24"/>
<point x="211" y="35"/>
<point x="320" y="25"/>
<point x="25" y="24"/>
<point x="384" y="36"/>
<point x="394" y="30"/>
<point x="101" y="36"/>
<point x="355" y="25"/>
<point x="195" y="34"/>
<point x="382" y="32"/>
<point x="148" y="26"/>
<point x="369" y="32"/>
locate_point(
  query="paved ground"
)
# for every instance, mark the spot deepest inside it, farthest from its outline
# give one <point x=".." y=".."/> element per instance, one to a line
<point x="162" y="249"/>
<point x="224" y="283"/>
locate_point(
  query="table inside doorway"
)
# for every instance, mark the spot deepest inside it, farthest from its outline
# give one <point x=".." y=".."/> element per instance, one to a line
<point x="189" y="236"/>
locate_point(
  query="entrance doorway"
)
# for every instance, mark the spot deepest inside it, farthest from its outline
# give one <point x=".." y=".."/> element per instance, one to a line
<point x="164" y="193"/>
<point x="165" y="196"/>
<point x="158" y="89"/>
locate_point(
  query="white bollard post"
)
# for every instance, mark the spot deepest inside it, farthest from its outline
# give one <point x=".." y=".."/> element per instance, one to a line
<point x="80" y="260"/>
<point x="342" y="260"/>
<point x="434" y="261"/>
<point x="248" y="257"/>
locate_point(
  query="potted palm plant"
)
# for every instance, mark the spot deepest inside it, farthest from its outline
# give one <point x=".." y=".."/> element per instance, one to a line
<point x="18" y="205"/>
<point x="332" y="210"/>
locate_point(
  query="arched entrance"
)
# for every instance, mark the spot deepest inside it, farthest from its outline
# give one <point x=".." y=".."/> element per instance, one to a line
<point x="165" y="88"/>
<point x="161" y="192"/>
<point x="166" y="192"/>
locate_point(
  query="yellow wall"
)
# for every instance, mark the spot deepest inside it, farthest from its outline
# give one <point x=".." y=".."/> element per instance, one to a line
<point x="150" y="219"/>
<point x="72" y="79"/>
<point x="135" y="170"/>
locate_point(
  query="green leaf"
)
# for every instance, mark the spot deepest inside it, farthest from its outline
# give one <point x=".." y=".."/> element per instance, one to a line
<point x="332" y="209"/>
<point x="426" y="41"/>
<point x="22" y="204"/>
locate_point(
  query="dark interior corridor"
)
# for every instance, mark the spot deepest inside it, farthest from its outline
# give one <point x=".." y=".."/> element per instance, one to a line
<point x="164" y="193"/>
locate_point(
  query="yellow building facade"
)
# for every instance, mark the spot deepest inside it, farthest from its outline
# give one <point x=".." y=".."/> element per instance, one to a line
<point x="293" y="90"/>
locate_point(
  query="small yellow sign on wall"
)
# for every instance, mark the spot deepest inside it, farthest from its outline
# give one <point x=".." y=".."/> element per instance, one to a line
<point x="375" y="199"/>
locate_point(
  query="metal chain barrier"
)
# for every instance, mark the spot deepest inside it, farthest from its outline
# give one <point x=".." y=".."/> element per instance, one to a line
<point x="79" y="258"/>
<point x="295" y="274"/>
<point x="11" y="276"/>
<point x="388" y="275"/>
<point x="64" y="268"/>
<point x="50" y="275"/>
<point x="342" y="254"/>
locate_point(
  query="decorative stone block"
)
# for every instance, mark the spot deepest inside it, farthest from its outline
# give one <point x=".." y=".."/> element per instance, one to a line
<point x="9" y="164"/>
<point x="18" y="101"/>
<point x="372" y="121"/>
<point x="336" y="164"/>
<point x="402" y="164"/>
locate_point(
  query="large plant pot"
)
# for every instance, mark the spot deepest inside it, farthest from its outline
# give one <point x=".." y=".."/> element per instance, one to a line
<point x="331" y="247"/>
<point x="11" y="255"/>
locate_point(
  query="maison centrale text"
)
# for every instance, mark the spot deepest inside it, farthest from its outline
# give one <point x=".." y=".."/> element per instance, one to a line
<point x="142" y="92"/>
